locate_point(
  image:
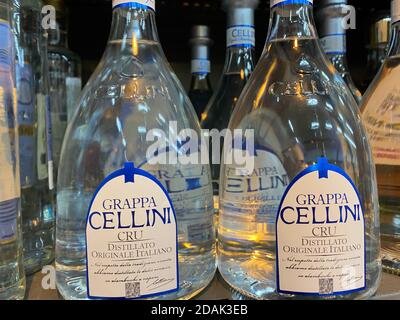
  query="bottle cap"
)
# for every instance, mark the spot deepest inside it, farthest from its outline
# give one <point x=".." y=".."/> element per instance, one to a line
<point x="200" y="36"/>
<point x="229" y="4"/>
<point x="395" y="11"/>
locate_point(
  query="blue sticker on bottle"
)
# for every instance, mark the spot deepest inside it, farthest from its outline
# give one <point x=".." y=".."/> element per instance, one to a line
<point x="26" y="122"/>
<point x="320" y="234"/>
<point x="131" y="238"/>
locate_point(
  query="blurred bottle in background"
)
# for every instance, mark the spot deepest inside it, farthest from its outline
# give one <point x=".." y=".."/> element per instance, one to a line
<point x="239" y="64"/>
<point x="200" y="88"/>
<point x="12" y="277"/>
<point x="65" y="77"/>
<point x="36" y="172"/>
<point x="331" y="21"/>
<point x="378" y="41"/>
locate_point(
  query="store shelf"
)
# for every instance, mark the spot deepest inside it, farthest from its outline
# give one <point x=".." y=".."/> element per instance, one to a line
<point x="218" y="290"/>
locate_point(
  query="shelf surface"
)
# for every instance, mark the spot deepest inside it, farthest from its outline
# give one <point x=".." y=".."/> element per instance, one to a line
<point x="218" y="289"/>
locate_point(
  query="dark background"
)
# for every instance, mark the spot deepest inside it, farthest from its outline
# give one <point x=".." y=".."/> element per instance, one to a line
<point x="90" y="20"/>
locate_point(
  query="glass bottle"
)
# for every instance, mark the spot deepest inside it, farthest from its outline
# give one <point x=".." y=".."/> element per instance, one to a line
<point x="64" y="76"/>
<point x="200" y="87"/>
<point x="37" y="203"/>
<point x="379" y="36"/>
<point x="12" y="276"/>
<point x="307" y="188"/>
<point x="331" y="19"/>
<point x="239" y="64"/>
<point x="381" y="111"/>
<point x="132" y="92"/>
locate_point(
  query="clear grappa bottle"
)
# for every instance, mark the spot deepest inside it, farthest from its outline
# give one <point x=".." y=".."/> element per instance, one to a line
<point x="239" y="64"/>
<point x="12" y="276"/>
<point x="37" y="197"/>
<point x="381" y="112"/>
<point x="331" y="20"/>
<point x="200" y="90"/>
<point x="300" y="219"/>
<point x="131" y="224"/>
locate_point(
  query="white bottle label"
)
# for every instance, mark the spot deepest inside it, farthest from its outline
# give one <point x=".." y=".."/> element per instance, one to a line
<point x="320" y="248"/>
<point x="334" y="44"/>
<point x="201" y="66"/>
<point x="240" y="36"/>
<point x="74" y="87"/>
<point x="148" y="3"/>
<point x="381" y="117"/>
<point x="286" y="2"/>
<point x="131" y="238"/>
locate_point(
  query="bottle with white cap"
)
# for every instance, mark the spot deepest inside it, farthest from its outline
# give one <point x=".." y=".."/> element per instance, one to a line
<point x="134" y="199"/>
<point x="200" y="87"/>
<point x="299" y="216"/>
<point x="331" y="20"/>
<point x="381" y="114"/>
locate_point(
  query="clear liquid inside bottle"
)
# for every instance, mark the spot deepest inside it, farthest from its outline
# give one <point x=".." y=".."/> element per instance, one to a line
<point x="132" y="91"/>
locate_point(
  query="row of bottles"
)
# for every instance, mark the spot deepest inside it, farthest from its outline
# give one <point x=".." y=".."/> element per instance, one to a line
<point x="34" y="69"/>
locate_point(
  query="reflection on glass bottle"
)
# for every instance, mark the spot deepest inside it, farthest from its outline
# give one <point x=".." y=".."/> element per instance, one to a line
<point x="132" y="93"/>
<point x="379" y="36"/>
<point x="12" y="276"/>
<point x="64" y="76"/>
<point x="331" y="19"/>
<point x="308" y="192"/>
<point x="239" y="65"/>
<point x="200" y="87"/>
<point x="381" y="114"/>
<point x="35" y="156"/>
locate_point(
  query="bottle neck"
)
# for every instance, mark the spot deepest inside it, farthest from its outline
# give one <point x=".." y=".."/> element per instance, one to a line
<point x="291" y="19"/>
<point x="240" y="41"/>
<point x="133" y="22"/>
<point x="394" y="47"/>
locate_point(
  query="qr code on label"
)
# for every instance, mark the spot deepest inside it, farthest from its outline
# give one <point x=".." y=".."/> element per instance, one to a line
<point x="326" y="286"/>
<point x="132" y="290"/>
